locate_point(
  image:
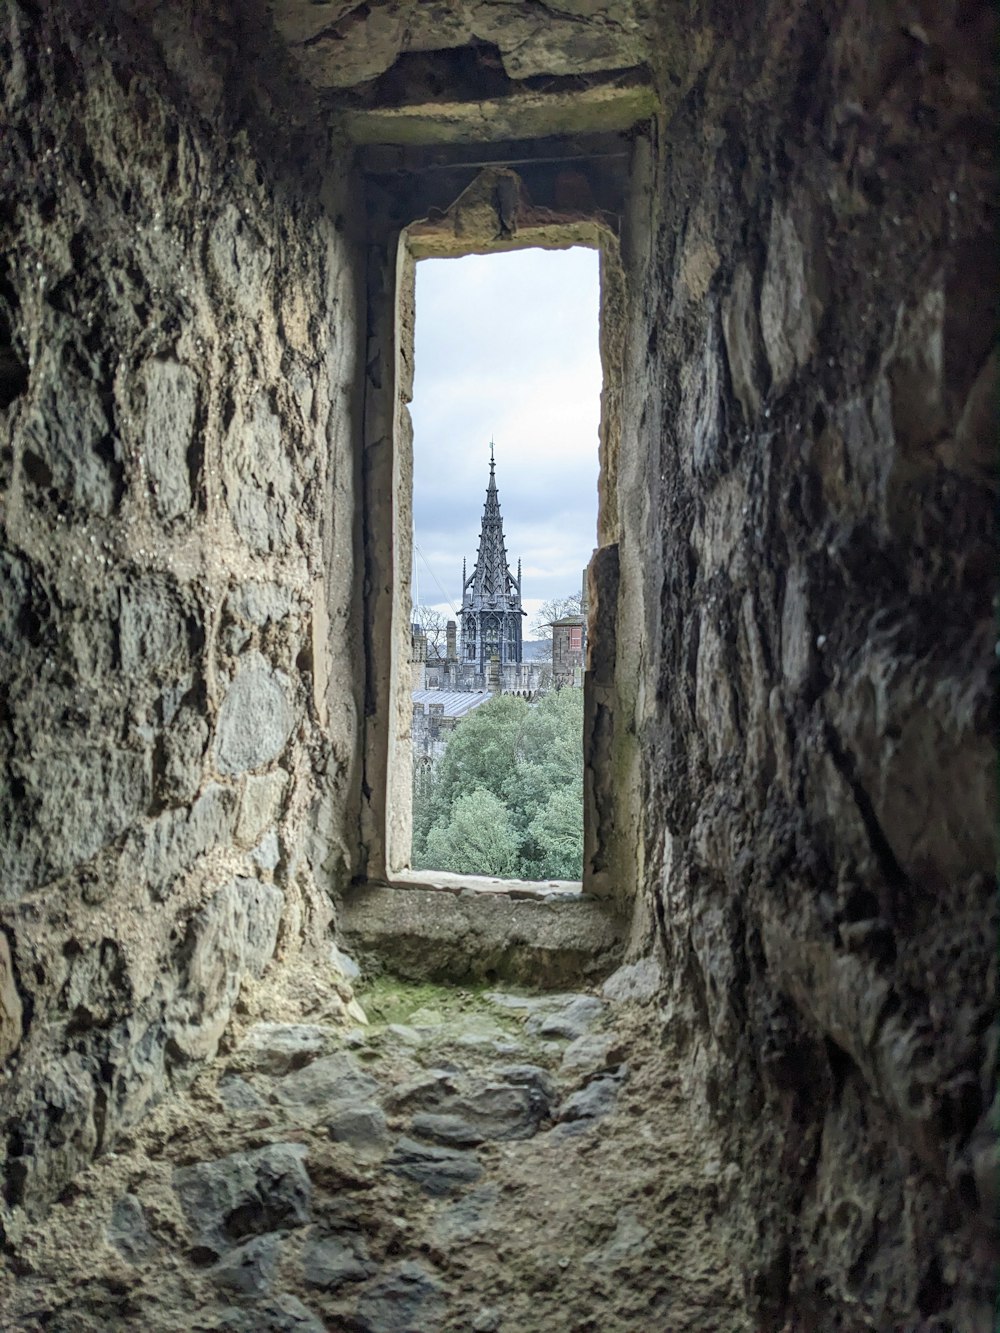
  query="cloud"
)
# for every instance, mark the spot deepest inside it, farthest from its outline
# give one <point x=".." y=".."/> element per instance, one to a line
<point x="507" y="347"/>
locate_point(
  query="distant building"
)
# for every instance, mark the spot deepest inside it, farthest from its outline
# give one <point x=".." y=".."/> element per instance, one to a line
<point x="569" y="644"/>
<point x="436" y="713"/>
<point x="491" y="595"/>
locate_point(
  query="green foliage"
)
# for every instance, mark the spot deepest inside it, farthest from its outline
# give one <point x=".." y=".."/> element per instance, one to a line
<point x="506" y="798"/>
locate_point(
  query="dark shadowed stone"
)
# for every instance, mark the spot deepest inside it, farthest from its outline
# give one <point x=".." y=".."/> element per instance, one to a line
<point x="244" y="1194"/>
<point x="436" y="1170"/>
<point x="278" y="1314"/>
<point x="450" y="1130"/>
<point x="248" y="1269"/>
<point x="404" y="1300"/>
<point x="359" y="1126"/>
<point x="594" y="1100"/>
<point x="334" y="1078"/>
<point x="328" y="1262"/>
<point x="529" y="1076"/>
<point x="574" y="1016"/>
<point x="128" y="1231"/>
<point x="503" y="1111"/>
<point x="64" y="438"/>
<point x="255" y="719"/>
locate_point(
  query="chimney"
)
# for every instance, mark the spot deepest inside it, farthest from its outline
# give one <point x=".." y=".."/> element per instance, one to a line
<point x="451" y="633"/>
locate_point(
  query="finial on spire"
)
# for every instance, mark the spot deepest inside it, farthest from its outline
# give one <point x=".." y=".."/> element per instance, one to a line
<point x="491" y="451"/>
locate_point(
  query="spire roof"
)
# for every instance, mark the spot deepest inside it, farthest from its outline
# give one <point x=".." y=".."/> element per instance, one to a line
<point x="491" y="577"/>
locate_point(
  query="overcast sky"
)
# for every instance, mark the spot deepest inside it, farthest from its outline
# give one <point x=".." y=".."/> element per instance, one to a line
<point x="507" y="346"/>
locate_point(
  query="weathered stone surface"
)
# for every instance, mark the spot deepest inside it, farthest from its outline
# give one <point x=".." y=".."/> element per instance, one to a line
<point x="260" y="806"/>
<point x="168" y="349"/>
<point x="436" y="1170"/>
<point x="595" y="1099"/>
<point x="277" y="1048"/>
<point x="11" y="1008"/>
<point x="233" y="935"/>
<point x="574" y="1015"/>
<point x="591" y="1053"/>
<point x="66" y="438"/>
<point x="183" y="748"/>
<point x="248" y="1269"/>
<point x="259" y="482"/>
<point x="334" y="1078"/>
<point x="432" y="934"/>
<point x="255" y="720"/>
<point x="786" y="315"/>
<point x="239" y="1095"/>
<point x="278" y="1314"/>
<point x="743" y="345"/>
<point x="244" y="1194"/>
<point x="153" y="628"/>
<point x="175" y="840"/>
<point x="468" y="1219"/>
<point x="640" y="981"/>
<point x="328" y="1262"/>
<point x="577" y="39"/>
<point x="403" y="1298"/>
<point x="361" y="1125"/>
<point x="128" y="1230"/>
<point x="171" y="402"/>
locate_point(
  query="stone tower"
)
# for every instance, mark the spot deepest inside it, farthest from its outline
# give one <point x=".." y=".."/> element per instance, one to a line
<point x="491" y="595"/>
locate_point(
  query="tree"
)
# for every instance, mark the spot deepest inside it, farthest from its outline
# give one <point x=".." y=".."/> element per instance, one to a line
<point x="557" y="830"/>
<point x="523" y="764"/>
<point x="555" y="609"/>
<point x="434" y="626"/>
<point x="479" y="838"/>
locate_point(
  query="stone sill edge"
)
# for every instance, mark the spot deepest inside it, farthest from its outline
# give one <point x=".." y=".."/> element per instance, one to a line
<point x="551" y="892"/>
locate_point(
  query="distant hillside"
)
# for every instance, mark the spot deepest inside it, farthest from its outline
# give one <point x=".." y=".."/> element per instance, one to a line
<point x="536" y="650"/>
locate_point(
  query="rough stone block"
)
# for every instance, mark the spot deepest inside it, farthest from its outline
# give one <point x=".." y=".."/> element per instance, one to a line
<point x="239" y="258"/>
<point x="260" y="807"/>
<point x="244" y="1194"/>
<point x="171" y="400"/>
<point x="278" y="1048"/>
<point x="153" y="629"/>
<point x="182" y="752"/>
<point x="335" y="1078"/>
<point x="259" y="482"/>
<point x="233" y="934"/>
<point x="786" y="315"/>
<point x="75" y="802"/>
<point x="249" y="1269"/>
<point x="66" y="440"/>
<point x="175" y="840"/>
<point x="11" y="1009"/>
<point x="329" y="1262"/>
<point x="255" y="720"/>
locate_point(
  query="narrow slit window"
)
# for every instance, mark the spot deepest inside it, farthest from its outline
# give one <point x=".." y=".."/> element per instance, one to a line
<point x="506" y="419"/>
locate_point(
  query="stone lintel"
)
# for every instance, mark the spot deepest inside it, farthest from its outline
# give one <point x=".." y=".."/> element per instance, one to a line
<point x="601" y="107"/>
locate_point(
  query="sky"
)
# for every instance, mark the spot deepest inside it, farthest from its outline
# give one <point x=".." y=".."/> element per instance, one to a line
<point x="506" y="347"/>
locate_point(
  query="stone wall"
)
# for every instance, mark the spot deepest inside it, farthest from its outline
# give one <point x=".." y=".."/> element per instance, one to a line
<point x="812" y="379"/>
<point x="178" y="620"/>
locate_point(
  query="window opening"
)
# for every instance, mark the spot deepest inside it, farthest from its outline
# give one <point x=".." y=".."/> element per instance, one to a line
<point x="506" y="418"/>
